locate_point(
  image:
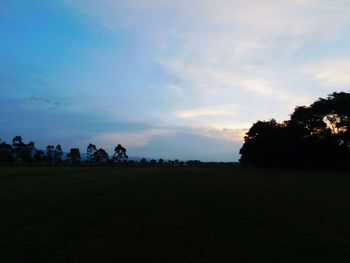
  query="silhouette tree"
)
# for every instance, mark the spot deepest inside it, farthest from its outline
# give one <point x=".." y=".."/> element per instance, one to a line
<point x="101" y="156"/>
<point x="120" y="154"/>
<point x="58" y="153"/>
<point x="143" y="161"/>
<point x="317" y="135"/>
<point x="96" y="156"/>
<point x="17" y="144"/>
<point x="40" y="156"/>
<point x="74" y="155"/>
<point x="193" y="163"/>
<point x="91" y="153"/>
<point x="50" y="153"/>
<point x="30" y="150"/>
<point x="153" y="162"/>
<point x="6" y="153"/>
<point x="261" y="142"/>
<point x="23" y="152"/>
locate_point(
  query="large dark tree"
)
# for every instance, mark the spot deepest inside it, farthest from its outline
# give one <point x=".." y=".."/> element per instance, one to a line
<point x="318" y="135"/>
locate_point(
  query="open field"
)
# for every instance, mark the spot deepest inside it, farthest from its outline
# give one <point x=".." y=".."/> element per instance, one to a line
<point x="77" y="214"/>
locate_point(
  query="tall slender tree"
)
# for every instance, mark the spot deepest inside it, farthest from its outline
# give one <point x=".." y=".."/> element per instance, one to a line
<point x="91" y="153"/>
<point x="50" y="153"/>
<point x="58" y="154"/>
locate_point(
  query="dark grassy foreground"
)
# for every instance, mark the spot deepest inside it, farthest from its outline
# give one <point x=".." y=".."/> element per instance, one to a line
<point x="173" y="215"/>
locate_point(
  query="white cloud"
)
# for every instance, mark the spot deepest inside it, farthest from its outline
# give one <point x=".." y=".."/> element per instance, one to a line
<point x="246" y="53"/>
<point x="133" y="140"/>
<point x="215" y="111"/>
<point x="223" y="133"/>
<point x="130" y="139"/>
<point x="334" y="73"/>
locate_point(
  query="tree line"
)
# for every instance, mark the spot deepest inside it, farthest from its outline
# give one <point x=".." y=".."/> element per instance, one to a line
<point x="315" y="136"/>
<point x="20" y="152"/>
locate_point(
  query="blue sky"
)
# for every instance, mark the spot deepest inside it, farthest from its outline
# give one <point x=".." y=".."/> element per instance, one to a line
<point x="166" y="79"/>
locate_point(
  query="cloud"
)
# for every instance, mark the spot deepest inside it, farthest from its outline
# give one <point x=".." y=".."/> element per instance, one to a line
<point x="140" y="139"/>
<point x="52" y="105"/>
<point x="215" y="44"/>
<point x="222" y="133"/>
<point x="40" y="99"/>
<point x="334" y="72"/>
<point x="226" y="64"/>
<point x="130" y="139"/>
<point x="199" y="142"/>
<point x="214" y="111"/>
<point x="207" y="78"/>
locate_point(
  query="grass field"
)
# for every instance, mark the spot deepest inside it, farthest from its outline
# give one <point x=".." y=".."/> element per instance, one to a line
<point x="72" y="214"/>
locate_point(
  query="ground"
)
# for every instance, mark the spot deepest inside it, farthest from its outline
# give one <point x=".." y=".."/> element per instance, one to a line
<point x="82" y="214"/>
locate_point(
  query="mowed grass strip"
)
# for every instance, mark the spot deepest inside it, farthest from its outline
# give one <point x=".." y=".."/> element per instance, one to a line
<point x="87" y="214"/>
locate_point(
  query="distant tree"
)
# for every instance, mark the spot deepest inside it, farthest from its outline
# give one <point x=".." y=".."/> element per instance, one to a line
<point x="6" y="153"/>
<point x="23" y="152"/>
<point x="50" y="153"/>
<point x="96" y="156"/>
<point x="101" y="156"/>
<point x="170" y="162"/>
<point x="120" y="154"/>
<point x="161" y="161"/>
<point x="193" y="163"/>
<point x="18" y="145"/>
<point x="74" y="155"/>
<point x="91" y="153"/>
<point x="143" y="161"/>
<point x="153" y="162"/>
<point x="17" y="141"/>
<point x="40" y="156"/>
<point x="58" y="154"/>
<point x="131" y="162"/>
<point x="30" y="150"/>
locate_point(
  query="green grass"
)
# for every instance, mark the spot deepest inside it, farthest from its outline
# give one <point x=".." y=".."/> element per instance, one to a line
<point x="72" y="214"/>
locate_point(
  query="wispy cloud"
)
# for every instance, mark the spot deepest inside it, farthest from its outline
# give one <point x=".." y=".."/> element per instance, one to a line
<point x="214" y="111"/>
<point x="222" y="133"/>
<point x="134" y="139"/>
<point x="40" y="99"/>
<point x="51" y="105"/>
<point x="215" y="45"/>
<point x="201" y="70"/>
<point x="334" y="72"/>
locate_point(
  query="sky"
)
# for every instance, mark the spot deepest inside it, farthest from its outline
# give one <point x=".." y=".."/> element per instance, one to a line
<point x="168" y="79"/>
